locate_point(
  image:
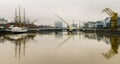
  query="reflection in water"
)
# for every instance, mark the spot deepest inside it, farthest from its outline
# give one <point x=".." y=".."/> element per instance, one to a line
<point x="58" y="34"/>
<point x="2" y="38"/>
<point x="90" y="35"/>
<point x="45" y="32"/>
<point x="114" y="47"/>
<point x="63" y="42"/>
<point x="74" y="32"/>
<point x="111" y="39"/>
<point x="80" y="51"/>
<point x="20" y="43"/>
<point x="99" y="36"/>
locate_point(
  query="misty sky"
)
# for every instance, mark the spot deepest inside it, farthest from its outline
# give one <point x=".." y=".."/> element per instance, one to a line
<point x="44" y="10"/>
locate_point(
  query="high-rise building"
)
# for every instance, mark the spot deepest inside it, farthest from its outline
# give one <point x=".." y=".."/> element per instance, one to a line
<point x="107" y="22"/>
<point x="58" y="24"/>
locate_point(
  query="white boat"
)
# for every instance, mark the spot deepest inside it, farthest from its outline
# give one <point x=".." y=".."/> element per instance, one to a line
<point x="17" y="30"/>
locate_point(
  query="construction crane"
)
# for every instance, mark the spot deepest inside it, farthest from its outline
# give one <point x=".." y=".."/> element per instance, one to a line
<point x="63" y="42"/>
<point x="70" y="28"/>
<point x="114" y="47"/>
<point x="34" y="22"/>
<point x="114" y="18"/>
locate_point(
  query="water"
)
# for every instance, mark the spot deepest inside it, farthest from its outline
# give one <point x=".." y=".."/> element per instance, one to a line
<point x="60" y="48"/>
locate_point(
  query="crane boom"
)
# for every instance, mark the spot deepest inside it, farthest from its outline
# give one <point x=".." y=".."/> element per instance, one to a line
<point x="33" y="21"/>
<point x="62" y="20"/>
<point x="108" y="11"/>
<point x="114" y="18"/>
<point x="70" y="28"/>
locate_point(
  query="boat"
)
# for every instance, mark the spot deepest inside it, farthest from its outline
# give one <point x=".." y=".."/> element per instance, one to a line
<point x="18" y="30"/>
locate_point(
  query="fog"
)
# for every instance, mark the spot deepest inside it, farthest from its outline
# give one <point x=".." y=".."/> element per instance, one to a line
<point x="44" y="10"/>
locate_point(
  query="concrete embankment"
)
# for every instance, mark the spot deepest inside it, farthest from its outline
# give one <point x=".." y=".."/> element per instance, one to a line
<point x="101" y="31"/>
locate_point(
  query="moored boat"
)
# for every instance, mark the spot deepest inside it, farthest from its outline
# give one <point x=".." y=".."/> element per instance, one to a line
<point x="18" y="30"/>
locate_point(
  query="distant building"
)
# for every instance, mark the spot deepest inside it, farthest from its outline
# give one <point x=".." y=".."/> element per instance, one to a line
<point x="107" y="22"/>
<point x="3" y="21"/>
<point x="75" y="25"/>
<point x="58" y="24"/>
<point x="99" y="24"/>
<point x="119" y="21"/>
<point x="89" y="24"/>
<point x="85" y="25"/>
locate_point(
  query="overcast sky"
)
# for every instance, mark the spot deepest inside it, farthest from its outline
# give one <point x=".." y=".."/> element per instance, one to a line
<point x="44" y="10"/>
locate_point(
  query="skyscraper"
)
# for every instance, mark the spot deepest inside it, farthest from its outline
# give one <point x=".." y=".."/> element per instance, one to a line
<point x="58" y="24"/>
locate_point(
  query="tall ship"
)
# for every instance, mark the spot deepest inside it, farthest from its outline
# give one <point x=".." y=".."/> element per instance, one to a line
<point x="19" y="24"/>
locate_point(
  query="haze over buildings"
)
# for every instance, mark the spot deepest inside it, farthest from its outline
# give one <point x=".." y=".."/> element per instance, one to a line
<point x="44" y="10"/>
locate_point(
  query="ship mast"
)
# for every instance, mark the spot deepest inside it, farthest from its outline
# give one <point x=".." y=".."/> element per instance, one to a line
<point x="19" y="17"/>
<point x="24" y="20"/>
<point x="16" y="17"/>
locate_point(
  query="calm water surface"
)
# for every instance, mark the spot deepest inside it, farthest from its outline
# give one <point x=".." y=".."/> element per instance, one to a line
<point x="60" y="48"/>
